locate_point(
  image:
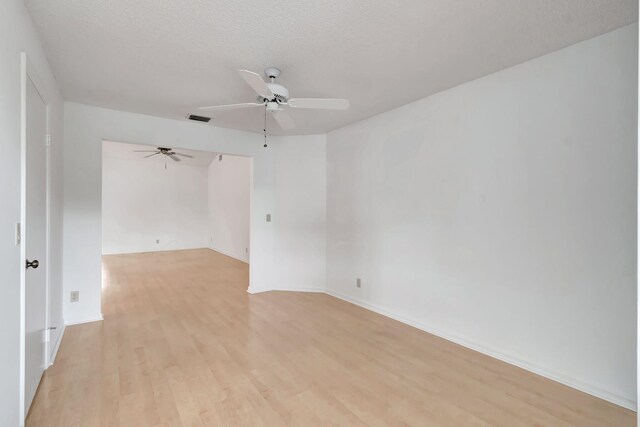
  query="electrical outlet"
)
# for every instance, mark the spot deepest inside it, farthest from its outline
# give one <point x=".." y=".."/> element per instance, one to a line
<point x="268" y="217"/>
<point x="358" y="283"/>
<point x="75" y="296"/>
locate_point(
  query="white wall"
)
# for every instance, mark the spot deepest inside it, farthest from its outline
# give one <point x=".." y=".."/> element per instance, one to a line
<point x="86" y="127"/>
<point x="502" y="214"/>
<point x="17" y="34"/>
<point x="229" y="205"/>
<point x="143" y="202"/>
<point x="300" y="212"/>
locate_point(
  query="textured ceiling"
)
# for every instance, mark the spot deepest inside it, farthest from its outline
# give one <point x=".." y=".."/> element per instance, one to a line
<point x="123" y="150"/>
<point x="166" y="57"/>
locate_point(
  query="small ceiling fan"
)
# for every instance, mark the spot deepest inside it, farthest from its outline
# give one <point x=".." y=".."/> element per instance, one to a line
<point x="165" y="151"/>
<point x="274" y="97"/>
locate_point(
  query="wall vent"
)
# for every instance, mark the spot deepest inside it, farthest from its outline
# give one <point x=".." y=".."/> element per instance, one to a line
<point x="198" y="118"/>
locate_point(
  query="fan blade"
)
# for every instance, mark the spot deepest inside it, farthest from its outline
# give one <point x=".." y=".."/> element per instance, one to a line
<point x="232" y="106"/>
<point x="154" y="154"/>
<point x="284" y="119"/>
<point x="319" y="103"/>
<point x="175" y="159"/>
<point x="183" y="155"/>
<point x="255" y="81"/>
<point x="144" y="151"/>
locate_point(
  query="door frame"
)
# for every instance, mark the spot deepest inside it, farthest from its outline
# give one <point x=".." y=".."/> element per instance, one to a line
<point x="28" y="73"/>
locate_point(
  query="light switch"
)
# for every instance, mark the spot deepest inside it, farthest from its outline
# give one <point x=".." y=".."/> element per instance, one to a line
<point x="268" y="217"/>
<point x="18" y="234"/>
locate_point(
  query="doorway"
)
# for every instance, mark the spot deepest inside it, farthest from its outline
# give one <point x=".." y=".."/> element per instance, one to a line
<point x="161" y="199"/>
<point x="33" y="234"/>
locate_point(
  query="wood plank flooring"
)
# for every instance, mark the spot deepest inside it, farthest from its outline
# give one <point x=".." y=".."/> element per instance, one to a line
<point x="183" y="344"/>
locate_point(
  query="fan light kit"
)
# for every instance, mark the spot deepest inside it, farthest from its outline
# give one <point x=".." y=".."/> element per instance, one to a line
<point x="274" y="98"/>
<point x="168" y="152"/>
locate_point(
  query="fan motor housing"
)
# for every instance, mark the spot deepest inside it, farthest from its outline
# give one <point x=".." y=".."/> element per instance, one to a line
<point x="280" y="92"/>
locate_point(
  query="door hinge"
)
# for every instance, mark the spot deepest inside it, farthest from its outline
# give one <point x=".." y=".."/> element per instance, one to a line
<point x="48" y="141"/>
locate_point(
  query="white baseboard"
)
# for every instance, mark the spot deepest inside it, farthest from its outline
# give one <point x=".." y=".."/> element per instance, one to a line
<point x="56" y="347"/>
<point x="299" y="289"/>
<point x="228" y="254"/>
<point x="153" y="251"/>
<point x="555" y="376"/>
<point x="81" y="320"/>
<point x="288" y="289"/>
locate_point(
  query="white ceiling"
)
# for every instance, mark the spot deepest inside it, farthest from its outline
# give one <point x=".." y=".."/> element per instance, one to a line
<point x="123" y="150"/>
<point x="166" y="57"/>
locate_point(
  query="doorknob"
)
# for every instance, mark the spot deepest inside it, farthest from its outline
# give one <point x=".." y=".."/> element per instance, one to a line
<point x="33" y="264"/>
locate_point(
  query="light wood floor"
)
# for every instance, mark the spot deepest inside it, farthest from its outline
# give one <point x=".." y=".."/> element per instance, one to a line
<point x="183" y="344"/>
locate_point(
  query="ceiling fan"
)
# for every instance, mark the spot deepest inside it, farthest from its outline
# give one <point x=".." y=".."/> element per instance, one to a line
<point x="274" y="97"/>
<point x="164" y="151"/>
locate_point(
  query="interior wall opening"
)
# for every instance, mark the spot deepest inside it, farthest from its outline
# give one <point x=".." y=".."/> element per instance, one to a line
<point x="158" y="199"/>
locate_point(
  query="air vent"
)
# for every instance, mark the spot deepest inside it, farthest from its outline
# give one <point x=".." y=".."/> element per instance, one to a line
<point x="198" y="118"/>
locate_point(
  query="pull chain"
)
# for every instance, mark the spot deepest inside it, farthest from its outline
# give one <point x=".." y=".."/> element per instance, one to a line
<point x="265" y="126"/>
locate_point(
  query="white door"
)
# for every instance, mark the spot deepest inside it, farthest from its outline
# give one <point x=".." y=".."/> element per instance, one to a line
<point x="35" y="241"/>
